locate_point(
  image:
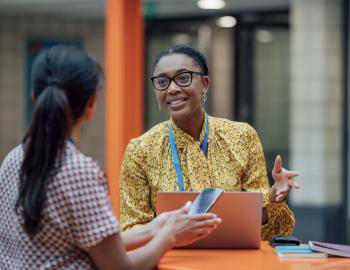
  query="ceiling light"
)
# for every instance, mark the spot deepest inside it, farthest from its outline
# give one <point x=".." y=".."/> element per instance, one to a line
<point x="226" y="21"/>
<point x="211" y="4"/>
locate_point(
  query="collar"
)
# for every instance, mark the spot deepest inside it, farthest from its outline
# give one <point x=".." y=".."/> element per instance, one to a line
<point x="70" y="144"/>
<point x="182" y="138"/>
<point x="70" y="140"/>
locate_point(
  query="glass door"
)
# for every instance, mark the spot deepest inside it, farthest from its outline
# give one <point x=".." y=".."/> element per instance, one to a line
<point x="262" y="86"/>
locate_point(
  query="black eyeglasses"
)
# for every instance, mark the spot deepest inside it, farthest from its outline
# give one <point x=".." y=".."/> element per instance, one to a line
<point x="182" y="79"/>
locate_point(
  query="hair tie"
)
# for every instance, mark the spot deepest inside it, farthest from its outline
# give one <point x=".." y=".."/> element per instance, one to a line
<point x="53" y="82"/>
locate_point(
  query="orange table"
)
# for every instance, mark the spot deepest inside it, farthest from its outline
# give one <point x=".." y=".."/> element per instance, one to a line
<point x="260" y="259"/>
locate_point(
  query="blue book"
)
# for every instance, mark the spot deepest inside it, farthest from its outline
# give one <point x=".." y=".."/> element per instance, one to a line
<point x="298" y="252"/>
<point x="295" y="249"/>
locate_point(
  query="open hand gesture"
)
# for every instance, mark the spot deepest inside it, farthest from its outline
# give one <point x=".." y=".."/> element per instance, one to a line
<point x="283" y="180"/>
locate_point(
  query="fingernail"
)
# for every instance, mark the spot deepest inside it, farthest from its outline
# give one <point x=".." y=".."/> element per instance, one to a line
<point x="219" y="219"/>
<point x="188" y="203"/>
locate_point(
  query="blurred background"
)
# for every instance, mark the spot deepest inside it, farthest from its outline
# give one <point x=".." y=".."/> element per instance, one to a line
<point x="280" y="65"/>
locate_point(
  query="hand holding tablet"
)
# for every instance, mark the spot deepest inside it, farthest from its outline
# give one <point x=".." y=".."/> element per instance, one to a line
<point x="205" y="200"/>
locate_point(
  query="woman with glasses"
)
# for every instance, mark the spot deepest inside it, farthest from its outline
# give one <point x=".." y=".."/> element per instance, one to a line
<point x="194" y="151"/>
<point x="55" y="210"/>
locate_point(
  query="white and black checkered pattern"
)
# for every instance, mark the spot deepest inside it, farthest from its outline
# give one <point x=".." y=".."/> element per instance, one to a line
<point x="77" y="215"/>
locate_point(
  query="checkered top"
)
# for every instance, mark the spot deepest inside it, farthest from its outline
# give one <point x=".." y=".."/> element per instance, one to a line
<point x="76" y="216"/>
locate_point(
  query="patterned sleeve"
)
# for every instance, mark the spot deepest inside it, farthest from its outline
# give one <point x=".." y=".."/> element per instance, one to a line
<point x="85" y="212"/>
<point x="135" y="209"/>
<point x="281" y="218"/>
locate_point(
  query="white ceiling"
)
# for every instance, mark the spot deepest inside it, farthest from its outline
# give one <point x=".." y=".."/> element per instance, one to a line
<point x="165" y="8"/>
<point x="178" y="8"/>
<point x="70" y="8"/>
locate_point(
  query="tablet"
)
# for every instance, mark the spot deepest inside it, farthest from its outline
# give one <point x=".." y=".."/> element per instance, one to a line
<point x="205" y="200"/>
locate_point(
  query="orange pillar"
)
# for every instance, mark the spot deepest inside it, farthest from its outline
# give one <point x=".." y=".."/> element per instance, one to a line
<point x="124" y="64"/>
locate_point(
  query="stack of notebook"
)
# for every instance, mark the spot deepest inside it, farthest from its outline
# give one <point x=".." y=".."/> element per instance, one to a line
<point x="332" y="249"/>
<point x="299" y="252"/>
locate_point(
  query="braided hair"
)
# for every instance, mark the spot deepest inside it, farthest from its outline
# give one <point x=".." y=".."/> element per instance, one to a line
<point x="196" y="56"/>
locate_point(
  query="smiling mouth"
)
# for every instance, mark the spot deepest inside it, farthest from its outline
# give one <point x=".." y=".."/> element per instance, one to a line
<point x="177" y="101"/>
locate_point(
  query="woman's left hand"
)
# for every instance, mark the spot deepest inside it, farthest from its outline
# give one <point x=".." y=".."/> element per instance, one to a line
<point x="157" y="223"/>
<point x="283" y="180"/>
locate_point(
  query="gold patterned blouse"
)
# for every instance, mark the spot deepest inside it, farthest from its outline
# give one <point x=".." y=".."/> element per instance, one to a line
<point x="235" y="162"/>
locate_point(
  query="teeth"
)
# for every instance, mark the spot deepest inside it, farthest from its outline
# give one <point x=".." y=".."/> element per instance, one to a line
<point x="176" y="102"/>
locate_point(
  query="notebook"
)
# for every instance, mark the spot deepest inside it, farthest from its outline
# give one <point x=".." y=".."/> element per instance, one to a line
<point x="298" y="252"/>
<point x="332" y="249"/>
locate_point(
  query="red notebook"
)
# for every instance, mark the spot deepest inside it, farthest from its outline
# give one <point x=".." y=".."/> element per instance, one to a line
<point x="337" y="250"/>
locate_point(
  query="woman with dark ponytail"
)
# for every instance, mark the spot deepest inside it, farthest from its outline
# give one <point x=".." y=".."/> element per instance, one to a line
<point x="55" y="210"/>
<point x="52" y="119"/>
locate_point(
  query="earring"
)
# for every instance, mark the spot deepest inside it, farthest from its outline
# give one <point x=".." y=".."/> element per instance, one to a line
<point x="159" y="107"/>
<point x="204" y="98"/>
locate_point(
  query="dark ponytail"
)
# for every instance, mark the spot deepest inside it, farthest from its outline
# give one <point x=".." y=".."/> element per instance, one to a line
<point x="63" y="80"/>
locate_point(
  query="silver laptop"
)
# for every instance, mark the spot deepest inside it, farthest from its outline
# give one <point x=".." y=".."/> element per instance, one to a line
<point x="240" y="212"/>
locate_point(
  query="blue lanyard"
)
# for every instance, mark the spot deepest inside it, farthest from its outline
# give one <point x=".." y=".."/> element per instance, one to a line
<point x="175" y="157"/>
<point x="70" y="139"/>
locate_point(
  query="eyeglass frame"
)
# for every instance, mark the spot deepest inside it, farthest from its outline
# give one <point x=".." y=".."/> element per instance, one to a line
<point x="173" y="79"/>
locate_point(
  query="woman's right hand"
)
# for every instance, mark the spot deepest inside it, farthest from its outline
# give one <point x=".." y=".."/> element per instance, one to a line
<point x="179" y="229"/>
<point x="186" y="229"/>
